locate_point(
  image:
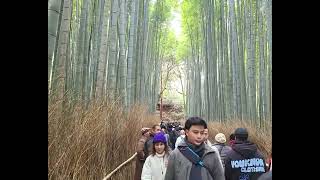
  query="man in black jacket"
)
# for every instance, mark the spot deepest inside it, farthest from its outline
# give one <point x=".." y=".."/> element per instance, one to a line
<point x="244" y="161"/>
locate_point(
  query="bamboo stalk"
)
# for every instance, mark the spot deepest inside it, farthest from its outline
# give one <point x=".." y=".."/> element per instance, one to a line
<point x="124" y="163"/>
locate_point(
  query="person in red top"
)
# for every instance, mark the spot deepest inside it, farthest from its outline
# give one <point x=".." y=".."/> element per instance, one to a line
<point x="270" y="163"/>
<point x="231" y="139"/>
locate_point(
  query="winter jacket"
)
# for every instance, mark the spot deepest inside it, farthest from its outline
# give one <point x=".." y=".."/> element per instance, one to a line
<point x="215" y="149"/>
<point x="208" y="143"/>
<point x="244" y="162"/>
<point x="140" y="158"/>
<point x="223" y="150"/>
<point x="179" y="167"/>
<point x="155" y="167"/>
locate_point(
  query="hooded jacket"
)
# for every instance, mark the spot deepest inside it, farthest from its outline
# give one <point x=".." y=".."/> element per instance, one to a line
<point x="244" y="162"/>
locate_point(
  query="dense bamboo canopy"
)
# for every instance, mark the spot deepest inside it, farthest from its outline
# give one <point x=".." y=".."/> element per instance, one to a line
<point x="122" y="49"/>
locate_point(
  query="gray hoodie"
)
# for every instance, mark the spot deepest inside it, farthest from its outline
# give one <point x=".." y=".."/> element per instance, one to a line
<point x="179" y="166"/>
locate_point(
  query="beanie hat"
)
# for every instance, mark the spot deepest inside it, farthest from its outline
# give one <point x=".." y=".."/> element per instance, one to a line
<point x="220" y="138"/>
<point x="241" y="132"/>
<point x="159" y="137"/>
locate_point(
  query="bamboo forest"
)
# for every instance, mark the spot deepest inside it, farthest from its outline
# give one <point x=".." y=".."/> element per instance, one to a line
<point x="115" y="66"/>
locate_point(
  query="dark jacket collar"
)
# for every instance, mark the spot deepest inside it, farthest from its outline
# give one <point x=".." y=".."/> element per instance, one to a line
<point x="207" y="149"/>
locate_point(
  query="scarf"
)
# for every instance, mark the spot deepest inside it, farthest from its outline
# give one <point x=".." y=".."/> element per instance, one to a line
<point x="195" y="173"/>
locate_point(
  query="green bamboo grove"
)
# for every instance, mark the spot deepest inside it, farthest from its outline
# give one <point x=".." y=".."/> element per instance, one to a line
<point x="229" y="64"/>
<point x="99" y="49"/>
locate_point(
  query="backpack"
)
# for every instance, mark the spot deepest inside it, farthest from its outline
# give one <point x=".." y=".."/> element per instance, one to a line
<point x="193" y="157"/>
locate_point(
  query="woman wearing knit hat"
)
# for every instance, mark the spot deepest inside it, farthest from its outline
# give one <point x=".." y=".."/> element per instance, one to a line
<point x="220" y="144"/>
<point x="155" y="165"/>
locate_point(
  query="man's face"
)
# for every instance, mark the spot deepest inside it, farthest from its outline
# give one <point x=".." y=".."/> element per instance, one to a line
<point x="195" y="134"/>
<point x="206" y="134"/>
<point x="156" y="130"/>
